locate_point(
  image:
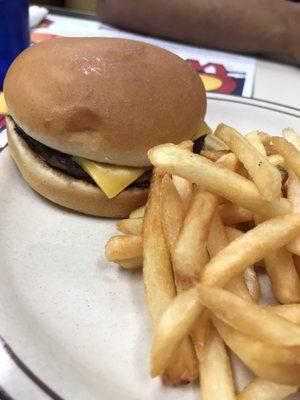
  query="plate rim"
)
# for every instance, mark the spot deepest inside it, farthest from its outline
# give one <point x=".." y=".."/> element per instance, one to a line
<point x="256" y="102"/>
<point x="33" y="378"/>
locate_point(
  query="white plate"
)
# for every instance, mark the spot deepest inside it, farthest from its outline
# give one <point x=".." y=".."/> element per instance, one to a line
<point x="77" y="326"/>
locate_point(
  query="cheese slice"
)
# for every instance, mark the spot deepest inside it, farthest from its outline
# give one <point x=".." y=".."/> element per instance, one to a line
<point x="3" y="106"/>
<point x="112" y="179"/>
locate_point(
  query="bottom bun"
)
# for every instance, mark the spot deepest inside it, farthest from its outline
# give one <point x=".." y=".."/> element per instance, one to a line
<point x="65" y="190"/>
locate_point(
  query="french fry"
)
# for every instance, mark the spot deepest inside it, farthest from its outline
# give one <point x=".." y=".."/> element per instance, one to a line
<point x="217" y="240"/>
<point x="131" y="226"/>
<point x="289" y="311"/>
<point x="266" y="177"/>
<point x="262" y="389"/>
<point x="213" y="155"/>
<point x="183" y="366"/>
<point x="215" y="370"/>
<point x="228" y="161"/>
<point x="213" y="143"/>
<point x="249" y="318"/>
<point x="238" y="286"/>
<point x="217" y="180"/>
<point x="193" y="236"/>
<point x="232" y="214"/>
<point x="284" y="278"/>
<point x="179" y="318"/>
<point x="264" y="137"/>
<point x="156" y="256"/>
<point x="250" y="248"/>
<point x="138" y="213"/>
<point x="250" y="276"/>
<point x="275" y="363"/>
<point x="123" y="247"/>
<point x="255" y="139"/>
<point x="293" y="194"/>
<point x="289" y="152"/>
<point x="181" y="238"/>
<point x="175" y="323"/>
<point x="276" y="159"/>
<point x="257" y="349"/>
<point x="184" y="186"/>
<point x="172" y="219"/>
<point x="198" y="337"/>
<point x="172" y="214"/>
<point x="159" y="283"/>
<point x="131" y="263"/>
<point x="233" y="233"/>
<point x="291" y="136"/>
<point x="172" y="210"/>
<point x="270" y="149"/>
<point x="187" y="145"/>
<point x="198" y="334"/>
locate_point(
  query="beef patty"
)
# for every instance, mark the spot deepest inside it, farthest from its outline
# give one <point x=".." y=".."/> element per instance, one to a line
<point x="64" y="163"/>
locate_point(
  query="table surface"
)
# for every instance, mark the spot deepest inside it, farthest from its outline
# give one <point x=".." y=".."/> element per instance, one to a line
<point x="277" y="82"/>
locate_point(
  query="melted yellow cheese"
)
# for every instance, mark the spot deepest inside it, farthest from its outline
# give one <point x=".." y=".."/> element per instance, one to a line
<point x="202" y="130"/>
<point x="112" y="179"/>
<point x="3" y="106"/>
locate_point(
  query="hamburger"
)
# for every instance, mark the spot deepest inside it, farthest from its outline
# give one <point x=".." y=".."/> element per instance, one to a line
<point x="83" y="112"/>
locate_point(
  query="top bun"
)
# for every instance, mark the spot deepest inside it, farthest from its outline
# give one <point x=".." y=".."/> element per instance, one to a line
<point x="107" y="100"/>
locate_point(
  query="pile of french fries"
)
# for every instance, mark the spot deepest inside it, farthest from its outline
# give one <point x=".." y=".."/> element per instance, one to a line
<point x="213" y="222"/>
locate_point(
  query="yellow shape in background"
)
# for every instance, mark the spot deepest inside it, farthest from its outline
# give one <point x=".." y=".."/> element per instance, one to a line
<point x="3" y="106"/>
<point x="210" y="82"/>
